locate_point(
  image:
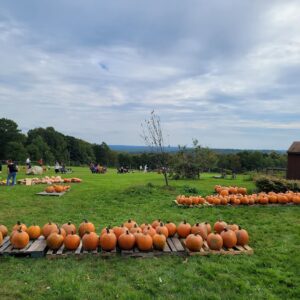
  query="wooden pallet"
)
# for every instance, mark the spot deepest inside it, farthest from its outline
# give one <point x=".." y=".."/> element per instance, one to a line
<point x="50" y="194"/>
<point x="224" y="251"/>
<point x="192" y="205"/>
<point x="34" y="249"/>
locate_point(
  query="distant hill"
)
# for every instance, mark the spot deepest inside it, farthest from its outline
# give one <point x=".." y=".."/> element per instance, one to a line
<point x="141" y="149"/>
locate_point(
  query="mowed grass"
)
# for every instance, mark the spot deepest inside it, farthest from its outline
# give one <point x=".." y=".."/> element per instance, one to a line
<point x="273" y="272"/>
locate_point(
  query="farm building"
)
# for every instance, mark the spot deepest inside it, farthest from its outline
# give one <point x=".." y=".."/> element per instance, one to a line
<point x="293" y="169"/>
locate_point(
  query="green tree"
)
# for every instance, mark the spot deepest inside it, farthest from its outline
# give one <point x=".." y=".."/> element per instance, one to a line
<point x="16" y="151"/>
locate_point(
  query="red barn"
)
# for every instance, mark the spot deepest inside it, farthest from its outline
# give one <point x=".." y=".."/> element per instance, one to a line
<point x="293" y="169"/>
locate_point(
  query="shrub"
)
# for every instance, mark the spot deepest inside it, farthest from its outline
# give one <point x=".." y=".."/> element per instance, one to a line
<point x="190" y="190"/>
<point x="278" y="185"/>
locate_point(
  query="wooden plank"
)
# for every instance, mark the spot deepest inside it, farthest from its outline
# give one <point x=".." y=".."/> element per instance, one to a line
<point x="5" y="244"/>
<point x="166" y="249"/>
<point x="205" y="246"/>
<point x="171" y="245"/>
<point x="78" y="250"/>
<point x="177" y="244"/>
<point x="60" y="250"/>
<point x="50" y="194"/>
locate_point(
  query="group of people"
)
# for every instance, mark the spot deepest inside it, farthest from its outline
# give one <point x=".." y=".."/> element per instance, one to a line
<point x="96" y="168"/>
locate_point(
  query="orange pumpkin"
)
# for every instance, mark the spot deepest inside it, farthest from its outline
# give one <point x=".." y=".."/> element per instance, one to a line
<point x="214" y="241"/>
<point x="172" y="229"/>
<point x="48" y="228"/>
<point x="200" y="229"/>
<point x="150" y="230"/>
<point x="232" y="227"/>
<point x="55" y="240"/>
<point x="1" y="238"/>
<point x="20" y="239"/>
<point x="118" y="230"/>
<point x="86" y="226"/>
<point x="69" y="228"/>
<point x="242" y="237"/>
<point x="72" y="241"/>
<point x="224" y="192"/>
<point x="34" y="232"/>
<point x="144" y="225"/>
<point x="90" y="241"/>
<point x="144" y="242"/>
<point x="208" y="227"/>
<point x="162" y="229"/>
<point x="194" y="242"/>
<point x="159" y="241"/>
<point x="296" y="199"/>
<point x="219" y="226"/>
<point x="108" y="241"/>
<point x="229" y="238"/>
<point x="183" y="229"/>
<point x="49" y="189"/>
<point x="104" y="230"/>
<point x="155" y="223"/>
<point x="129" y="224"/>
<point x="58" y="188"/>
<point x="3" y="230"/>
<point x="19" y="225"/>
<point x="126" y="241"/>
<point x="134" y="229"/>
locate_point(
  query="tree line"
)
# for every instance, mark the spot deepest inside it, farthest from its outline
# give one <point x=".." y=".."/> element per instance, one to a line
<point x="51" y="145"/>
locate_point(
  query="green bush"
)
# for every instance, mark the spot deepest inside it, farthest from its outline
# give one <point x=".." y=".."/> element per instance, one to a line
<point x="278" y="185"/>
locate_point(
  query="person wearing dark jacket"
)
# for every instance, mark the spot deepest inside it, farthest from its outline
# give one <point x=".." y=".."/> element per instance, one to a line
<point x="12" y="169"/>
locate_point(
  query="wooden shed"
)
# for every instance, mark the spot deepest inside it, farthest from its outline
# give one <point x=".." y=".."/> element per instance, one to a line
<point x="293" y="168"/>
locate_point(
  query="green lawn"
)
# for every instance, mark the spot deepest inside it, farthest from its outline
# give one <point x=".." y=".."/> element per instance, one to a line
<point x="273" y="272"/>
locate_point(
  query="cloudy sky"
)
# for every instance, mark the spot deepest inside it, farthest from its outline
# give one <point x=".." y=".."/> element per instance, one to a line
<point x="224" y="72"/>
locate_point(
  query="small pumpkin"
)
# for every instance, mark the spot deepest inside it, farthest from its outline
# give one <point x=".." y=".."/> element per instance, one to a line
<point x="144" y="242"/>
<point x="194" y="242"/>
<point x="219" y="226"/>
<point x="49" y="189"/>
<point x="183" y="229"/>
<point x="69" y="228"/>
<point x="34" y="232"/>
<point x="208" y="227"/>
<point x="19" y="225"/>
<point x="3" y="230"/>
<point x="159" y="241"/>
<point x="118" y="230"/>
<point x="144" y="225"/>
<point x="86" y="226"/>
<point x="55" y="240"/>
<point x="104" y="230"/>
<point x="72" y="241"/>
<point x="48" y="228"/>
<point x="90" y="240"/>
<point x="126" y="241"/>
<point x="232" y="227"/>
<point x="108" y="240"/>
<point x="172" y="229"/>
<point x="20" y="239"/>
<point x="229" y="238"/>
<point x="162" y="229"/>
<point x="129" y="224"/>
<point x="134" y="229"/>
<point x="242" y="237"/>
<point x="214" y="241"/>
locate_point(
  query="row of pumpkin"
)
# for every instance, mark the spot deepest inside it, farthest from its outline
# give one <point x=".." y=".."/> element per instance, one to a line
<point x="236" y="199"/>
<point x="50" y="180"/>
<point x="128" y="235"/>
<point x="57" y="188"/>
<point x="230" y="190"/>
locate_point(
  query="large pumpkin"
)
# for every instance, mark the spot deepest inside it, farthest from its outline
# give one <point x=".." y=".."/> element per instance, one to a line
<point x="34" y="232"/>
<point x="108" y="240"/>
<point x="72" y="241"/>
<point x="3" y="230"/>
<point x="49" y="189"/>
<point x="144" y="242"/>
<point x="183" y="229"/>
<point x="214" y="241"/>
<point x="20" y="239"/>
<point x="90" y="241"/>
<point x="229" y="238"/>
<point x="69" y="228"/>
<point x="86" y="226"/>
<point x="159" y="241"/>
<point x="19" y="225"/>
<point x="55" y="240"/>
<point x="118" y="230"/>
<point x="126" y="241"/>
<point x="194" y="242"/>
<point x="242" y="237"/>
<point x="129" y="224"/>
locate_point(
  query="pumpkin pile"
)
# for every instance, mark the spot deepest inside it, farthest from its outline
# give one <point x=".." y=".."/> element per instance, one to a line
<point x="240" y="199"/>
<point x="50" y="180"/>
<point x="57" y="188"/>
<point x="128" y="235"/>
<point x="230" y="190"/>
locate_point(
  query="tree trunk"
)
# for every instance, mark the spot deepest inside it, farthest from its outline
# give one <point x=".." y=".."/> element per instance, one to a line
<point x="166" y="178"/>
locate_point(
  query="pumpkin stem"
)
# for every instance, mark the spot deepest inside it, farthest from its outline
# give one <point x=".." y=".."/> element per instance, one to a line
<point x="197" y="224"/>
<point x="127" y="232"/>
<point x="161" y="224"/>
<point x="69" y="223"/>
<point x="85" y="220"/>
<point x="20" y="229"/>
<point x="107" y="230"/>
<point x="19" y="223"/>
<point x="184" y="221"/>
<point x="72" y="232"/>
<point x="240" y="227"/>
<point x="129" y="220"/>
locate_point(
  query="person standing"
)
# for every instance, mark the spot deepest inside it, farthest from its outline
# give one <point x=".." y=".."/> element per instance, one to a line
<point x="28" y="163"/>
<point x="57" y="167"/>
<point x="12" y="172"/>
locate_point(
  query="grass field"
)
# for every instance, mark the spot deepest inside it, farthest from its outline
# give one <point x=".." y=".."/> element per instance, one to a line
<point x="273" y="272"/>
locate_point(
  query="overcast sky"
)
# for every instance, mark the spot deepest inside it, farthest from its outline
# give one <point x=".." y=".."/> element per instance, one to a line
<point x="224" y="72"/>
